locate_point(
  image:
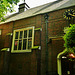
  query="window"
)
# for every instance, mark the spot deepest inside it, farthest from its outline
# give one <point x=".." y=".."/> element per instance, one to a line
<point x="23" y="40"/>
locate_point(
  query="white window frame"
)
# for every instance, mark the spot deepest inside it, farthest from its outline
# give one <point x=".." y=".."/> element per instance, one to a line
<point x="18" y="30"/>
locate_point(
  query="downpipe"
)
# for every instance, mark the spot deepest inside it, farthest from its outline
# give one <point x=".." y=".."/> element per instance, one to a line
<point x="46" y="38"/>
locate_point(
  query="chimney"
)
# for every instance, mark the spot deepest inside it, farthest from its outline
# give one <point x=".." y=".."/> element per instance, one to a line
<point x="59" y="0"/>
<point x="23" y="7"/>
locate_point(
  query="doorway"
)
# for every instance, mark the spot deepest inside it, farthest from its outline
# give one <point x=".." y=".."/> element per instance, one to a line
<point x="67" y="66"/>
<point x="64" y="65"/>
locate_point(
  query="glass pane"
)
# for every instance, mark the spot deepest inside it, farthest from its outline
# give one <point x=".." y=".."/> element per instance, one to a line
<point x="29" y="43"/>
<point x="20" y="44"/>
<point x="21" y="33"/>
<point x="24" y="44"/>
<point x="30" y="33"/>
<point x="16" y="36"/>
<point x="25" y="34"/>
<point x="15" y="44"/>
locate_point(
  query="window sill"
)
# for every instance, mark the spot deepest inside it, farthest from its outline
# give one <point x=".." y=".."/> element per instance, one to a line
<point x="36" y="47"/>
<point x="5" y="49"/>
<point x="20" y="51"/>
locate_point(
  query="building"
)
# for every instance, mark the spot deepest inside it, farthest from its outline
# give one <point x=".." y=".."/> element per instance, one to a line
<point x="31" y="42"/>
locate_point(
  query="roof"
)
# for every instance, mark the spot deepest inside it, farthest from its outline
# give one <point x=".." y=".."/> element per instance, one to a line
<point x="52" y="6"/>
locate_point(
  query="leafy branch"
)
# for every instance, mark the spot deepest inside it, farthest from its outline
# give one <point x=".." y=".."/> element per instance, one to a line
<point x="6" y="5"/>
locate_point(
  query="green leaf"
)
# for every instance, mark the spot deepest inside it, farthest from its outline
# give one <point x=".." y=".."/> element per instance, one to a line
<point x="69" y="38"/>
<point x="5" y="6"/>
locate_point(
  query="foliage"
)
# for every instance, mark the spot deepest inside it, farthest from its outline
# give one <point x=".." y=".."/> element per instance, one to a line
<point x="6" y="5"/>
<point x="69" y="39"/>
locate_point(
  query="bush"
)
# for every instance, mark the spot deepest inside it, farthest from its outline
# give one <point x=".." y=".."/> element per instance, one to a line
<point x="69" y="38"/>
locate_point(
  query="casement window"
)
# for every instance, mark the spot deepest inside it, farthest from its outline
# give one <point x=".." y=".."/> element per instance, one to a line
<point x="23" y="40"/>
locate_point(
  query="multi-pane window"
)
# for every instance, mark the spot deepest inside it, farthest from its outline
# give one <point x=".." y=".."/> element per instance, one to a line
<point x="23" y="40"/>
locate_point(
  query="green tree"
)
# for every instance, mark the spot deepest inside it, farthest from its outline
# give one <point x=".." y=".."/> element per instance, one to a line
<point x="69" y="39"/>
<point x="6" y="5"/>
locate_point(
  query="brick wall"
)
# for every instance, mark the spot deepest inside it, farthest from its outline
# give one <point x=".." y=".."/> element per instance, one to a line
<point x="34" y="63"/>
<point x="26" y="63"/>
<point x="56" y="24"/>
<point x="5" y="43"/>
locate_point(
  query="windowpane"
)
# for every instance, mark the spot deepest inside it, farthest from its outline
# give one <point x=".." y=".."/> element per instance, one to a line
<point x="29" y="43"/>
<point x="24" y="44"/>
<point x="16" y="36"/>
<point x="21" y="33"/>
<point x="30" y="33"/>
<point x="20" y="44"/>
<point x="15" y="45"/>
<point x="25" y="34"/>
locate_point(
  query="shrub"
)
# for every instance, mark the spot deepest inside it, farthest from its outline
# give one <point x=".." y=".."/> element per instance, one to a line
<point x="69" y="38"/>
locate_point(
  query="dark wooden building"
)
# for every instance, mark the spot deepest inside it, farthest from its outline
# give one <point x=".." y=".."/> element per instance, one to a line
<point x="31" y="42"/>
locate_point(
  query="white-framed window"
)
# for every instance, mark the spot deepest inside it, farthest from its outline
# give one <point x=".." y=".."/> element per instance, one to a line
<point x="23" y="40"/>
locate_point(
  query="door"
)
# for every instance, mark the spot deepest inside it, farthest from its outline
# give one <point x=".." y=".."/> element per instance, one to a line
<point x="68" y="67"/>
